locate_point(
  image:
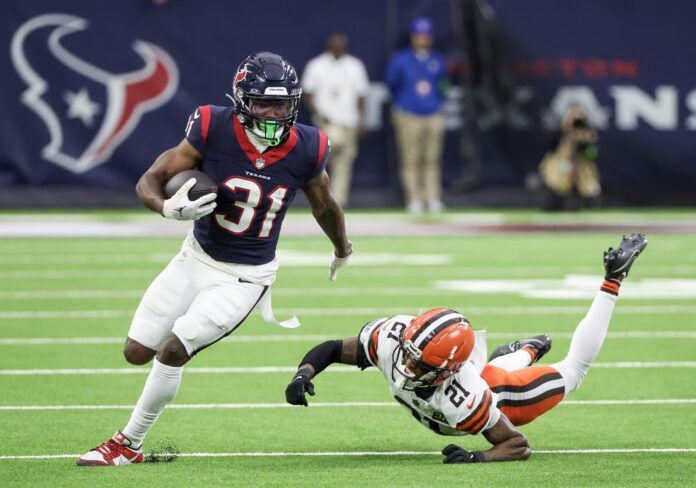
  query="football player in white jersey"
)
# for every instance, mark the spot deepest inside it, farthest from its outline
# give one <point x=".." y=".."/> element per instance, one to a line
<point x="436" y="367"/>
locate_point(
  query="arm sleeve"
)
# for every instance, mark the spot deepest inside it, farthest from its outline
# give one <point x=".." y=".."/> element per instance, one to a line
<point x="198" y="128"/>
<point x="321" y="356"/>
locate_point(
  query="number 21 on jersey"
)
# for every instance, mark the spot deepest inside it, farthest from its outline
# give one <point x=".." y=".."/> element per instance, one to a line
<point x="250" y="206"/>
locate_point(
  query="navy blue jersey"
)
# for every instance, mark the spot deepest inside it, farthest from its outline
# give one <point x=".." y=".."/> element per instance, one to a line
<point x="254" y="189"/>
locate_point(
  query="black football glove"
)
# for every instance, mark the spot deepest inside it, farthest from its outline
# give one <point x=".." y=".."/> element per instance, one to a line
<point x="295" y="392"/>
<point x="456" y="455"/>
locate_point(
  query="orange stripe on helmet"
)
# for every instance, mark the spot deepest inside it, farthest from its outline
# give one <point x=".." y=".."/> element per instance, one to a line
<point x="424" y="318"/>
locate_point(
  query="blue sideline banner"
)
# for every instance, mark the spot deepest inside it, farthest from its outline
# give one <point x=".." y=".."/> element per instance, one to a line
<point x="629" y="64"/>
<point x="92" y="92"/>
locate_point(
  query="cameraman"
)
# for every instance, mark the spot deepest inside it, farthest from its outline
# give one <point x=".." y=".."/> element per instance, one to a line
<point x="569" y="170"/>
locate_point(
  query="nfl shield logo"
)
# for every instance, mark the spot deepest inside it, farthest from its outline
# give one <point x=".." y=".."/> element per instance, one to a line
<point x="260" y="163"/>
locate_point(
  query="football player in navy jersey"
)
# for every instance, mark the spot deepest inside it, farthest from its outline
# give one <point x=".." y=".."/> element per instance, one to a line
<point x="258" y="157"/>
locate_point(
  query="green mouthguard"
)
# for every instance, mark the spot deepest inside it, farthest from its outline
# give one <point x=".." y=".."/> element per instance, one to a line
<point x="269" y="128"/>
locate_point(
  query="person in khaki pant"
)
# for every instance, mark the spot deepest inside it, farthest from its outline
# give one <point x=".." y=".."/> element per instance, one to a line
<point x="570" y="169"/>
<point x="417" y="80"/>
<point x="335" y="86"/>
<point x="420" y="140"/>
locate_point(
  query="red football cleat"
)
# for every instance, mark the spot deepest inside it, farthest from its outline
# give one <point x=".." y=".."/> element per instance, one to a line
<point x="114" y="452"/>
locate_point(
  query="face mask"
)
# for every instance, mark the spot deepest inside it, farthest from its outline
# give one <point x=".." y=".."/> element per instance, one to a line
<point x="269" y="130"/>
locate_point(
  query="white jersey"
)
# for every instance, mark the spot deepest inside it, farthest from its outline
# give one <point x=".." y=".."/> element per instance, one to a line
<point x="337" y="85"/>
<point x="463" y="404"/>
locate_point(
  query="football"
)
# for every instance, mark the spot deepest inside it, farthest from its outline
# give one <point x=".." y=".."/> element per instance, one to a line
<point x="203" y="186"/>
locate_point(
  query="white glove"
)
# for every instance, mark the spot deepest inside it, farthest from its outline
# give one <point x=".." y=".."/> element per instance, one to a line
<point x="338" y="262"/>
<point x="179" y="206"/>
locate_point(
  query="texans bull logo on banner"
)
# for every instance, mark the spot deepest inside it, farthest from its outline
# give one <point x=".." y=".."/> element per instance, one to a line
<point x="88" y="111"/>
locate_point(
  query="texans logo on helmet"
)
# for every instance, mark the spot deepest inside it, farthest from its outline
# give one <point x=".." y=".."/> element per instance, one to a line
<point x="87" y="110"/>
<point x="241" y="74"/>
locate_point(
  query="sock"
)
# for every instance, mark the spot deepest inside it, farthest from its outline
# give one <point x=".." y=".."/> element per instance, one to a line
<point x="531" y="351"/>
<point x="160" y="388"/>
<point x="513" y="361"/>
<point x="588" y="339"/>
<point x="611" y="287"/>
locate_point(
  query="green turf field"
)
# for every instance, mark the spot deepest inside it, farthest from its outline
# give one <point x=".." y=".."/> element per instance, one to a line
<point x="78" y="294"/>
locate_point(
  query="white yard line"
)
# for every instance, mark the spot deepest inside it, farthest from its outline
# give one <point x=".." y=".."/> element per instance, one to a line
<point x="661" y="401"/>
<point x="286" y="258"/>
<point x="124" y="272"/>
<point x="206" y="406"/>
<point x="70" y="294"/>
<point x="258" y="406"/>
<point x="85" y="258"/>
<point x="292" y="369"/>
<point x="121" y="340"/>
<point x="289" y="292"/>
<point x="60" y="274"/>
<point x="571" y="287"/>
<point x="635" y="334"/>
<point x="646" y="364"/>
<point x="360" y="453"/>
<point x="375" y="311"/>
<point x="65" y="314"/>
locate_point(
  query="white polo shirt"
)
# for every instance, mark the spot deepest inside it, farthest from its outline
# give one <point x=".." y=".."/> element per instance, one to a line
<point x="336" y="85"/>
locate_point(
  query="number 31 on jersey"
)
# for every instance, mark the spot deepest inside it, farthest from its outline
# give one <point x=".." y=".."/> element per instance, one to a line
<point x="250" y="206"/>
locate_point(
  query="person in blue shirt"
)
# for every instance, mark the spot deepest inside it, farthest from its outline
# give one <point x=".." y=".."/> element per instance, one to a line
<point x="417" y="81"/>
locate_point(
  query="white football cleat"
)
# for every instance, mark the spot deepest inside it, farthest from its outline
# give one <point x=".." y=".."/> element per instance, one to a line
<point x="416" y="207"/>
<point x="114" y="452"/>
<point x="436" y="206"/>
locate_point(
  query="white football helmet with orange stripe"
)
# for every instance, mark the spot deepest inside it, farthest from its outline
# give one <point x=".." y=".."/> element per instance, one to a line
<point x="432" y="348"/>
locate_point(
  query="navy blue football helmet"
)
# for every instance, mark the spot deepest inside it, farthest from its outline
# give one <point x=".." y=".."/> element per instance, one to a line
<point x="264" y="78"/>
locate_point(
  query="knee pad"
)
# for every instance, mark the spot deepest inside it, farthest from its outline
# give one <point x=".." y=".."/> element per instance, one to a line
<point x="191" y="333"/>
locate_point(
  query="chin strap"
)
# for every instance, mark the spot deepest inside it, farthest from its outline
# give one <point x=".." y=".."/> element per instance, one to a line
<point x="265" y="127"/>
<point x="259" y="143"/>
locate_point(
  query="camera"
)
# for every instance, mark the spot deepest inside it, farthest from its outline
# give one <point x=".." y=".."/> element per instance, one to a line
<point x="580" y="123"/>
